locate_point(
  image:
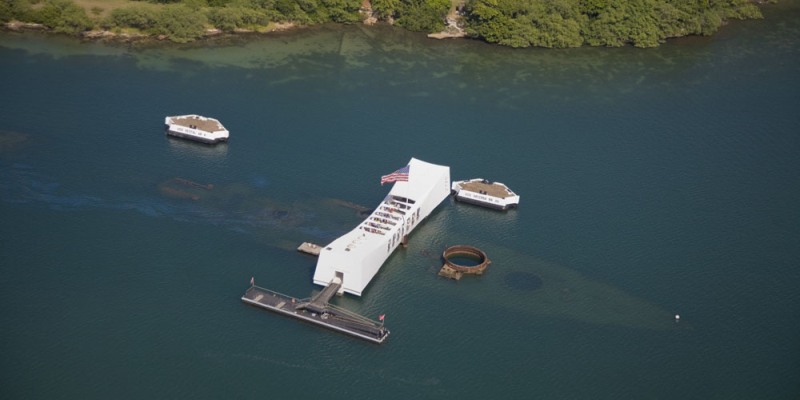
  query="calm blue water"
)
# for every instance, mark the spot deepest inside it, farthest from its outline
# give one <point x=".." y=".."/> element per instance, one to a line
<point x="653" y="183"/>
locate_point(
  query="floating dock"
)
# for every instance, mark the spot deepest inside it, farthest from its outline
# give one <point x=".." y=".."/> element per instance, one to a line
<point x="309" y="248"/>
<point x="317" y="310"/>
<point x="196" y="127"/>
<point x="485" y="193"/>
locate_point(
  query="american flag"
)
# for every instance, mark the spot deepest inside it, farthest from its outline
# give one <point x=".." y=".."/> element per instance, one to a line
<point x="399" y="175"/>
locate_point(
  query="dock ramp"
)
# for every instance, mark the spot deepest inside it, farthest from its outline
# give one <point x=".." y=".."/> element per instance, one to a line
<point x="319" y="303"/>
<point x="318" y="311"/>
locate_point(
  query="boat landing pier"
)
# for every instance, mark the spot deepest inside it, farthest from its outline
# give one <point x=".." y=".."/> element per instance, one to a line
<point x="309" y="248"/>
<point x="319" y="303"/>
<point x="318" y="311"/>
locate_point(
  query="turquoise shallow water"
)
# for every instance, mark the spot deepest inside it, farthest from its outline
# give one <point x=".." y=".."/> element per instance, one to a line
<point x="652" y="182"/>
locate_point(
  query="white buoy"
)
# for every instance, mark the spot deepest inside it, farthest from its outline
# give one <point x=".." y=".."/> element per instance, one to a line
<point x="677" y="317"/>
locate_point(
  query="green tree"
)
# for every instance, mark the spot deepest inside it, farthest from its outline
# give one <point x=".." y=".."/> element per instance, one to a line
<point x="23" y="10"/>
<point x="343" y="11"/>
<point x="385" y="8"/>
<point x="180" y="23"/>
<point x="514" y="23"/>
<point x="233" y="17"/>
<point x="290" y="10"/>
<point x="134" y="17"/>
<point x="555" y="31"/>
<point x="593" y="8"/>
<point x="422" y="15"/>
<point x="6" y="11"/>
<point x="62" y="16"/>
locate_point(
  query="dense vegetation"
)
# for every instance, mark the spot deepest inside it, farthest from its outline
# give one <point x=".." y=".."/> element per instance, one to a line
<point x="516" y="23"/>
<point x="570" y="23"/>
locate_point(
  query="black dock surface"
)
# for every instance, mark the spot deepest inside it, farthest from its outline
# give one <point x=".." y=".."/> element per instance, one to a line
<point x="318" y="311"/>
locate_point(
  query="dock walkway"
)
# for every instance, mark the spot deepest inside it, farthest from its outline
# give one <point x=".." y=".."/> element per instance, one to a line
<point x="319" y="303"/>
<point x="318" y="312"/>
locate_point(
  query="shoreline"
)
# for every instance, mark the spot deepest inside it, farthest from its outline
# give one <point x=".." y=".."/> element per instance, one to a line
<point x="132" y="36"/>
<point x="453" y="29"/>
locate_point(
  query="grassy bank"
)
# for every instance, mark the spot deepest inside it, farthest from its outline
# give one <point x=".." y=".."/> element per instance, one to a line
<point x="515" y="23"/>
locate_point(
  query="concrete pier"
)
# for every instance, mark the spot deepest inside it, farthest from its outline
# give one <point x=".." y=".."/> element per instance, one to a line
<point x="317" y="311"/>
<point x="310" y="248"/>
